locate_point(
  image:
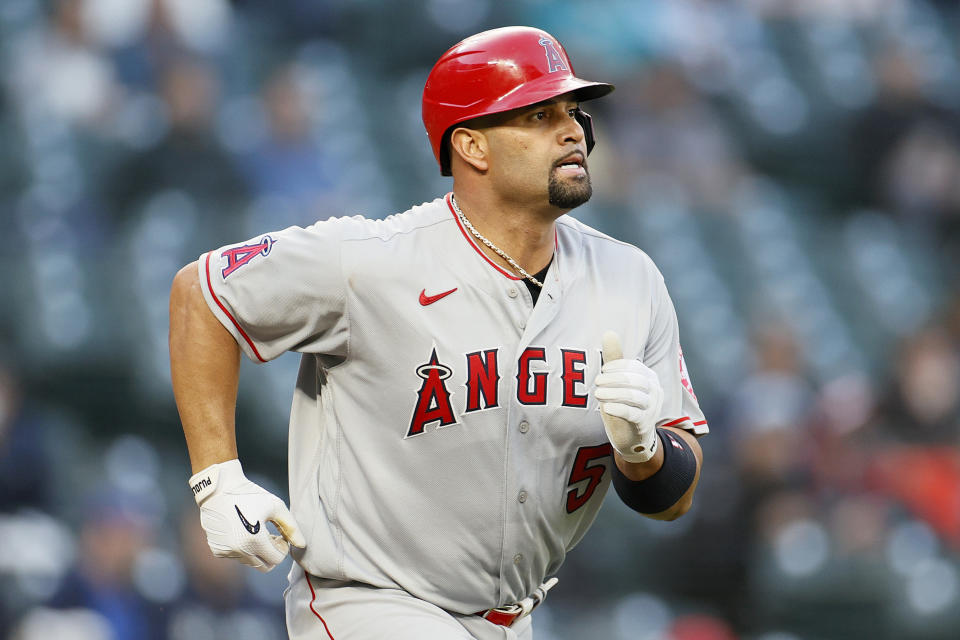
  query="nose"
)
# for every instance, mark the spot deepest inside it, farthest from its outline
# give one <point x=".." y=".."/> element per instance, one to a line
<point x="571" y="131"/>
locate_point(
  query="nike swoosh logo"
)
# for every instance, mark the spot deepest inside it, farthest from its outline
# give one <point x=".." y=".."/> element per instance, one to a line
<point x="252" y="528"/>
<point x="425" y="299"/>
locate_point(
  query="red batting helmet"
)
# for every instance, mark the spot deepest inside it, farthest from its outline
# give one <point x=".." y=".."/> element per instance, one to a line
<point x="496" y="71"/>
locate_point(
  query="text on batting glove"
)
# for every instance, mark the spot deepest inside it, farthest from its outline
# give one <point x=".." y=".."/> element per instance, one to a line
<point x="234" y="513"/>
<point x="630" y="398"/>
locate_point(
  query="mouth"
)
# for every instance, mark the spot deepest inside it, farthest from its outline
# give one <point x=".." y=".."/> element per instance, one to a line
<point x="574" y="164"/>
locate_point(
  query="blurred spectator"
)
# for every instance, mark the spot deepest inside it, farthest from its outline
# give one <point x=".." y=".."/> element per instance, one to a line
<point x="667" y="131"/>
<point x="923" y="405"/>
<point x="919" y="431"/>
<point x="922" y="174"/>
<point x="907" y="152"/>
<point x="76" y="624"/>
<point x="145" y="36"/>
<point x="289" y="164"/>
<point x="770" y="414"/>
<point x="770" y="447"/>
<point x="897" y="107"/>
<point x="24" y="473"/>
<point x="58" y="72"/>
<point x="189" y="158"/>
<point x="114" y="531"/>
<point x="217" y="603"/>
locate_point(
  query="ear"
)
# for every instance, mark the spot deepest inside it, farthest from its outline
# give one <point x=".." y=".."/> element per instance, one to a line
<point x="471" y="146"/>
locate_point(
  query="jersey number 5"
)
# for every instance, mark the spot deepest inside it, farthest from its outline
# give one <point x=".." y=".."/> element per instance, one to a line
<point x="586" y="466"/>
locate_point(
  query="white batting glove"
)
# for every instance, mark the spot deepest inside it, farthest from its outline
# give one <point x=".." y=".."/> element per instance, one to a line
<point x="234" y="513"/>
<point x="630" y="398"/>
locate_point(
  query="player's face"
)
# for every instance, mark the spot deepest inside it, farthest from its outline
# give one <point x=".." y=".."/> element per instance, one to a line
<point x="540" y="151"/>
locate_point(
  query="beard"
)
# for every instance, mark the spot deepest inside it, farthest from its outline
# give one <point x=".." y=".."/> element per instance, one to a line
<point x="569" y="194"/>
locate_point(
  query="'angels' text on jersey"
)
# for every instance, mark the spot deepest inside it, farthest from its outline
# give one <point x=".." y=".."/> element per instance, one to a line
<point x="483" y="389"/>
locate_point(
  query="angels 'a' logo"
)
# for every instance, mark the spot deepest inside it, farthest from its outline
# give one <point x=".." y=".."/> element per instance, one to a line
<point x="433" y="399"/>
<point x="239" y="256"/>
<point x="554" y="59"/>
<point x="685" y="377"/>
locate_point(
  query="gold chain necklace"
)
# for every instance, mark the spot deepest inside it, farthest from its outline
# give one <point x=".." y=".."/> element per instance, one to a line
<point x="500" y="252"/>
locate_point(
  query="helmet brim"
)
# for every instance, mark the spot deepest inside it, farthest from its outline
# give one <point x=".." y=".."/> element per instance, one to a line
<point x="547" y="88"/>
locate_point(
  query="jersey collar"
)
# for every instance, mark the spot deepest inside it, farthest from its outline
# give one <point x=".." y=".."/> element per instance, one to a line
<point x="470" y="239"/>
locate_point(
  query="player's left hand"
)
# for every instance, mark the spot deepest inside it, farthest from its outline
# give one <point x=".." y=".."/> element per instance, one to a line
<point x="630" y="398"/>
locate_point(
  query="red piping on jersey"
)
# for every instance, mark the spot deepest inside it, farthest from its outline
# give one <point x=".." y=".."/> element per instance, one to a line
<point x="224" y="309"/>
<point x="674" y="423"/>
<point x="313" y="597"/>
<point x="469" y="237"/>
<point x="473" y="244"/>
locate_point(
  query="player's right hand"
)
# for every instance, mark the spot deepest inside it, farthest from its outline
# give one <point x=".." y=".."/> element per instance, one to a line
<point x="234" y="513"/>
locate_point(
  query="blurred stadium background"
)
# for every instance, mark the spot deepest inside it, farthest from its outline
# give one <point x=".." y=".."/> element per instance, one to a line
<point x="793" y="167"/>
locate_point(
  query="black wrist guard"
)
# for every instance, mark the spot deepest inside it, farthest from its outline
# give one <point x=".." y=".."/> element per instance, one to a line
<point x="660" y="491"/>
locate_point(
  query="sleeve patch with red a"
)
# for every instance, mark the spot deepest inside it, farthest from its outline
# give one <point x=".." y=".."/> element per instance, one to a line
<point x="239" y="256"/>
<point x="685" y="376"/>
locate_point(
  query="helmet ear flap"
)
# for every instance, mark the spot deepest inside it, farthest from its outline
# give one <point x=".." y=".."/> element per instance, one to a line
<point x="587" y="123"/>
<point x="445" y="154"/>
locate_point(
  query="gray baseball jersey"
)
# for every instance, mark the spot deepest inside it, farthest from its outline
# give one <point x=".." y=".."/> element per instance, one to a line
<point x="443" y="435"/>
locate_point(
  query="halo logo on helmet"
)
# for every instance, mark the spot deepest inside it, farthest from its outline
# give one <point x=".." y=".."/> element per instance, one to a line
<point x="496" y="71"/>
<point x="554" y="60"/>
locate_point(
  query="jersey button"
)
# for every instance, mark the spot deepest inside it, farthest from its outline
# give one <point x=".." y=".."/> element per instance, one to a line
<point x="524" y="426"/>
<point x="522" y="324"/>
<point x="522" y="497"/>
<point x="517" y="559"/>
<point x="512" y="292"/>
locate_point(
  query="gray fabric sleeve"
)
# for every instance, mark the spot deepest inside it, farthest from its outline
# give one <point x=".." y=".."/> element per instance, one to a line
<point x="281" y="291"/>
<point x="664" y="355"/>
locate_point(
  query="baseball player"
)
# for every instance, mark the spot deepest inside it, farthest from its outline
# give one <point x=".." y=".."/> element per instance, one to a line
<point x="475" y="373"/>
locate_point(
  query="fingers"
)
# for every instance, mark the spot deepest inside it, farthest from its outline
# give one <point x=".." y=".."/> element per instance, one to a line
<point x="287" y="526"/>
<point x="262" y="551"/>
<point x="256" y="563"/>
<point x="630" y="396"/>
<point x="626" y="412"/>
<point x="231" y="535"/>
<point x="247" y="556"/>
<point x="269" y="551"/>
<point x="626" y="365"/>
<point x="280" y="544"/>
<point x="611" y="346"/>
<point x="627" y="380"/>
<point x="614" y="362"/>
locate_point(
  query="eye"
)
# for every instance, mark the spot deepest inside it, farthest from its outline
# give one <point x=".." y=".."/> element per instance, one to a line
<point x="539" y="115"/>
